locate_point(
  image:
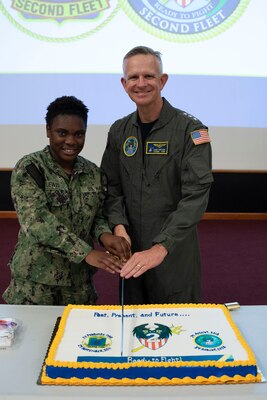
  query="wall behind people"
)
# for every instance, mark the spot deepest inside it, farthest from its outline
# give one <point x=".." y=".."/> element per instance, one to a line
<point x="213" y="52"/>
<point x="233" y="148"/>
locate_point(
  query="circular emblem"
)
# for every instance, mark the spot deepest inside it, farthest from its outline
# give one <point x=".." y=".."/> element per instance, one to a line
<point x="59" y="20"/>
<point x="208" y="341"/>
<point x="96" y="342"/>
<point x="130" y="146"/>
<point x="184" y="20"/>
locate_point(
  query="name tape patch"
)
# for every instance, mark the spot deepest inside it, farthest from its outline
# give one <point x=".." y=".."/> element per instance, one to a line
<point x="157" y="148"/>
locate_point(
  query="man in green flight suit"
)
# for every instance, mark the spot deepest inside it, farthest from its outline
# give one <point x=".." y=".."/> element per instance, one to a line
<point x="58" y="196"/>
<point x="158" y="166"/>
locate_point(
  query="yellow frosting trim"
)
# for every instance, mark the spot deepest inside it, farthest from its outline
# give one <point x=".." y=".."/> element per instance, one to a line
<point x="251" y="356"/>
<point x="59" y="335"/>
<point x="151" y="381"/>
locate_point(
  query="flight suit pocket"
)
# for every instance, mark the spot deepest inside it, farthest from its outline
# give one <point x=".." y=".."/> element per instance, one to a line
<point x="201" y="170"/>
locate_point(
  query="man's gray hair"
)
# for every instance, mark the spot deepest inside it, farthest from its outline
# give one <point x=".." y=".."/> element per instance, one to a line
<point x="145" y="51"/>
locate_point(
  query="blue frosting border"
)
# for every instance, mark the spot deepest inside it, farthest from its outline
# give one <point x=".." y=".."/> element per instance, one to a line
<point x="150" y="372"/>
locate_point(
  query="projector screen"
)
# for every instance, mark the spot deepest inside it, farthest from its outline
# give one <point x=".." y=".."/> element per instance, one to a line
<point x="213" y="50"/>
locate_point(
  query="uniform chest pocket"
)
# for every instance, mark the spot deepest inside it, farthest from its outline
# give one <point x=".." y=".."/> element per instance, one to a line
<point x="92" y="199"/>
<point x="57" y="197"/>
<point x="169" y="167"/>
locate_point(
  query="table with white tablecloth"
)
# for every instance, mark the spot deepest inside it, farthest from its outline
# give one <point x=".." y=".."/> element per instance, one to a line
<point x="20" y="364"/>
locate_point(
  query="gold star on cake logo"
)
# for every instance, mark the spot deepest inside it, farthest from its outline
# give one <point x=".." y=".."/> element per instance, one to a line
<point x="59" y="20"/>
<point x="96" y="342"/>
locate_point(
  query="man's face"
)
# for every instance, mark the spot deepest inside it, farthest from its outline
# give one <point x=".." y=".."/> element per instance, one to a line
<point x="142" y="79"/>
<point x="66" y="138"/>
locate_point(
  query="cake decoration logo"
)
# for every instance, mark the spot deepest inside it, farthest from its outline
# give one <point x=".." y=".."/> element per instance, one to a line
<point x="209" y="341"/>
<point x="154" y="336"/>
<point x="59" y="20"/>
<point x="96" y="342"/>
<point x="184" y="20"/>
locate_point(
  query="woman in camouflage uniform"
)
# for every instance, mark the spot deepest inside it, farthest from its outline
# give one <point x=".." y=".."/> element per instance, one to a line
<point x="58" y="196"/>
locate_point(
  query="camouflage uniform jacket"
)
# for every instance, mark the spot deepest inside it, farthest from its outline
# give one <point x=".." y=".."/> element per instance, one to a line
<point x="59" y="222"/>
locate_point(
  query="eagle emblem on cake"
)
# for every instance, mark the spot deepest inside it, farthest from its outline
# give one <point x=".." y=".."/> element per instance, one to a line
<point x="152" y="336"/>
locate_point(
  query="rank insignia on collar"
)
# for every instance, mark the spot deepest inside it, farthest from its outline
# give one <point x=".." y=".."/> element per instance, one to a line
<point x="157" y="148"/>
<point x="130" y="146"/>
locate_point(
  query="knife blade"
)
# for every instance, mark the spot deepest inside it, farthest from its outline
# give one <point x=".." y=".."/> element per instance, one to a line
<point x="122" y="315"/>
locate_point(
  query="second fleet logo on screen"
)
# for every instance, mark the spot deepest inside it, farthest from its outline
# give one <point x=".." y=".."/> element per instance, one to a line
<point x="184" y="20"/>
<point x="172" y="20"/>
<point x="59" y="20"/>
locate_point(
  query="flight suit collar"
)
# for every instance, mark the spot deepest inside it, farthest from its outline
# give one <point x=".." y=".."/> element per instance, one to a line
<point x="165" y="115"/>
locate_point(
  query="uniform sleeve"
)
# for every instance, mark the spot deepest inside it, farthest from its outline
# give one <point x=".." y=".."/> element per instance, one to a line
<point x="100" y="224"/>
<point x="196" y="180"/>
<point x="39" y="223"/>
<point x="114" y="203"/>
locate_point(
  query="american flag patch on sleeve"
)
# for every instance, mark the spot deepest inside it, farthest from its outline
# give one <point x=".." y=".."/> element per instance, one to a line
<point x="201" y="136"/>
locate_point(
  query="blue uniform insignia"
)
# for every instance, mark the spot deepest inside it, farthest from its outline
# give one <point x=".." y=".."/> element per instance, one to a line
<point x="130" y="146"/>
<point x="157" y="148"/>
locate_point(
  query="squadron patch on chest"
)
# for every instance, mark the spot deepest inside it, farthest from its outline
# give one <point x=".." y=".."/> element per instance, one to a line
<point x="130" y="146"/>
<point x="157" y="148"/>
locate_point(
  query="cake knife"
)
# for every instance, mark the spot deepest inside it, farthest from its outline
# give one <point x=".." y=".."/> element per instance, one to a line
<point x="122" y="314"/>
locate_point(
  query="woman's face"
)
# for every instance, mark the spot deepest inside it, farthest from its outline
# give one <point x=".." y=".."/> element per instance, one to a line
<point x="66" y="138"/>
